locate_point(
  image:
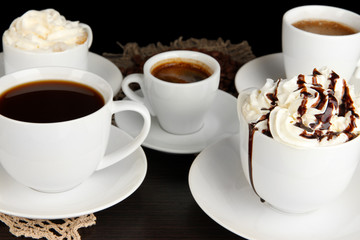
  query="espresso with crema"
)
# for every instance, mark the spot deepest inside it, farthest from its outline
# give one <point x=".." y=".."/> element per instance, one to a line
<point x="324" y="27"/>
<point x="181" y="71"/>
<point x="49" y="101"/>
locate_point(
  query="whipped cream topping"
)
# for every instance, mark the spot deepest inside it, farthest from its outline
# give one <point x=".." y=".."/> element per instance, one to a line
<point x="44" y="30"/>
<point x="305" y="111"/>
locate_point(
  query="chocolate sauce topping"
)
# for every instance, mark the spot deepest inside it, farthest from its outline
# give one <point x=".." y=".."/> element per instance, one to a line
<point x="325" y="97"/>
<point x="320" y="129"/>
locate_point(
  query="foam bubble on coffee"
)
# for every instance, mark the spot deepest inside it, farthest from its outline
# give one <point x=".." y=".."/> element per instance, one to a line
<point x="305" y="111"/>
<point x="44" y="30"/>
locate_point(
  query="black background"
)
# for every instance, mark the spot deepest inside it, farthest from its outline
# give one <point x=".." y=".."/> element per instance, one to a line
<point x="146" y="22"/>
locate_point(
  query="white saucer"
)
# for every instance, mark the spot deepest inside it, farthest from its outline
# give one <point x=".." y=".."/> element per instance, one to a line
<point x="219" y="187"/>
<point x="103" y="189"/>
<point x="98" y="65"/>
<point x="221" y="121"/>
<point x="255" y="72"/>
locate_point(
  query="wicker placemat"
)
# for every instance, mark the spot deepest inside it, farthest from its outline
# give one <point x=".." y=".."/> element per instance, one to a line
<point x="230" y="57"/>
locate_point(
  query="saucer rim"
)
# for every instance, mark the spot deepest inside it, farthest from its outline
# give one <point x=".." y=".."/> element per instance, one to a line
<point x="265" y="65"/>
<point x="255" y="212"/>
<point x="275" y="59"/>
<point x="138" y="174"/>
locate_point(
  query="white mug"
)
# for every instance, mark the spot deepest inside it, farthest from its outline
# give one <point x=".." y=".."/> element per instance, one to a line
<point x="303" y="51"/>
<point x="16" y="59"/>
<point x="179" y="107"/>
<point x="294" y="180"/>
<point x="55" y="157"/>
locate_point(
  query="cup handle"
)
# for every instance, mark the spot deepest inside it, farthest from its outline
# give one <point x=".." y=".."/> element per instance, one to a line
<point x="122" y="153"/>
<point x="139" y="79"/>
<point x="356" y="76"/>
<point x="357" y="70"/>
<point x="89" y="32"/>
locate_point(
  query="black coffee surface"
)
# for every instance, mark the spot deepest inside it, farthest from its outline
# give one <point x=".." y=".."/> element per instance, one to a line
<point x="49" y="101"/>
<point x="181" y="72"/>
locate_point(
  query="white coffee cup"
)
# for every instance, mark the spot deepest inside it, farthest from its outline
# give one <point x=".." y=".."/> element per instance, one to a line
<point x="55" y="157"/>
<point x="295" y="180"/>
<point x="303" y="51"/>
<point x="16" y="59"/>
<point x="179" y="107"/>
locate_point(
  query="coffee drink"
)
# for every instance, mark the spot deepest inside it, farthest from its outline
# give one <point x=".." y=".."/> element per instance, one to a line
<point x="181" y="71"/>
<point x="324" y="27"/>
<point x="49" y="101"/>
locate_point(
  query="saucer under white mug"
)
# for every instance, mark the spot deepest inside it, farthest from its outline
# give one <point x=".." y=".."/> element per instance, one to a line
<point x="255" y="72"/>
<point x="96" y="64"/>
<point x="221" y="121"/>
<point x="223" y="193"/>
<point x="102" y="190"/>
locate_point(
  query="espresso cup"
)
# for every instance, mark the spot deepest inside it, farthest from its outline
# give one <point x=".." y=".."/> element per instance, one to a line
<point x="303" y="51"/>
<point x="57" y="156"/>
<point x="290" y="179"/>
<point x="16" y="59"/>
<point x="180" y="108"/>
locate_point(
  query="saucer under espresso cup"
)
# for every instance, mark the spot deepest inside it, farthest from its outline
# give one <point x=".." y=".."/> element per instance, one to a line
<point x="179" y="107"/>
<point x="219" y="122"/>
<point x="55" y="155"/>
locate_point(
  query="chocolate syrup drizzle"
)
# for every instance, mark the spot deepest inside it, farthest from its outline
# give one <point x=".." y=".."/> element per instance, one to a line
<point x="322" y="120"/>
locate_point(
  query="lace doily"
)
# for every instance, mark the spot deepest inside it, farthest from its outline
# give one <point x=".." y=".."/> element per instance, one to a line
<point x="48" y="229"/>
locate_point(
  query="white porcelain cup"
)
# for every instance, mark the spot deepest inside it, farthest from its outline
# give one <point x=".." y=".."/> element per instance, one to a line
<point x="179" y="107"/>
<point x="303" y="51"/>
<point x="295" y="180"/>
<point x="16" y="59"/>
<point x="55" y="157"/>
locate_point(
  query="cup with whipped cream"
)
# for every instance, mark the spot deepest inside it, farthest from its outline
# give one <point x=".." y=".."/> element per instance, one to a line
<point x="299" y="143"/>
<point x="45" y="38"/>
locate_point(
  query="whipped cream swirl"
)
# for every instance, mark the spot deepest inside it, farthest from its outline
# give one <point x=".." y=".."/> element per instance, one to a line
<point x="305" y="111"/>
<point x="44" y="30"/>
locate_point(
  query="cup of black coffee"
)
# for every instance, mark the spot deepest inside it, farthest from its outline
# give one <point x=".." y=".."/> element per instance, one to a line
<point x="178" y="88"/>
<point x="55" y="125"/>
